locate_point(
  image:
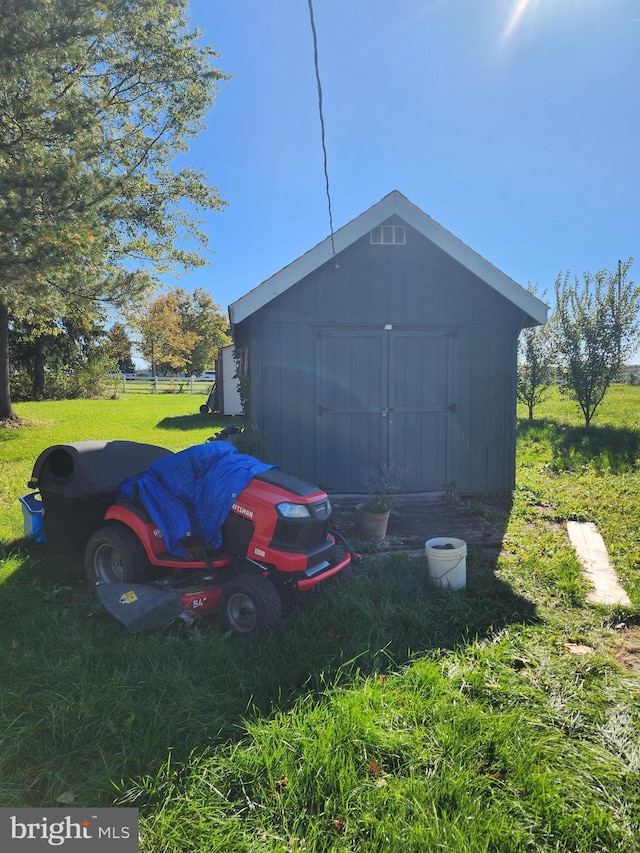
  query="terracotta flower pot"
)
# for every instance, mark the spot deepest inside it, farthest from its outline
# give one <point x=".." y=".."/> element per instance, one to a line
<point x="372" y="526"/>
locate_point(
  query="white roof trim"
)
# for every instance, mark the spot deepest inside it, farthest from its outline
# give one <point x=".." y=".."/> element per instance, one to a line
<point x="394" y="203"/>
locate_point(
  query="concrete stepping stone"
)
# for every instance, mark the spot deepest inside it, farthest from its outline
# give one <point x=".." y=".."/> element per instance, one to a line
<point x="592" y="553"/>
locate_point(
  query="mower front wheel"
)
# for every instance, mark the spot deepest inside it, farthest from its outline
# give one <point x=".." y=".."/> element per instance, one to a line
<point x="250" y="604"/>
<point x="114" y="554"/>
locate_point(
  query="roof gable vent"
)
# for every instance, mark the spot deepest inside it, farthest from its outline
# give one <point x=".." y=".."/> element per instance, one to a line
<point x="388" y="235"/>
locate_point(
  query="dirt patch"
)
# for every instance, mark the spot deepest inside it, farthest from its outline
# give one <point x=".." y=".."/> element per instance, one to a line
<point x="627" y="649"/>
<point x="22" y="423"/>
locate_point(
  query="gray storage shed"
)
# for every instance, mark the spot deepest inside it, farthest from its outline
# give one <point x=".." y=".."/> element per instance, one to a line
<point x="398" y="349"/>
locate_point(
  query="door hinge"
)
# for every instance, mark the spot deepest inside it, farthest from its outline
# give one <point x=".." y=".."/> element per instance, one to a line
<point x="451" y="408"/>
<point x="322" y="409"/>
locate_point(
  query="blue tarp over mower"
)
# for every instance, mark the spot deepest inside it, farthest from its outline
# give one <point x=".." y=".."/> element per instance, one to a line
<point x="177" y="535"/>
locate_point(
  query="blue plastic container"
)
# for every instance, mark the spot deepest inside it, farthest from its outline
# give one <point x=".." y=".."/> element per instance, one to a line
<point x="33" y="513"/>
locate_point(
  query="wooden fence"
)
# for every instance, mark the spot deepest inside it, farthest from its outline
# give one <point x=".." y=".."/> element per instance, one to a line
<point x="162" y="384"/>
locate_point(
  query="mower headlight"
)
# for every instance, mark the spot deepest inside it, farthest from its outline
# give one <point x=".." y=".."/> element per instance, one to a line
<point x="293" y="510"/>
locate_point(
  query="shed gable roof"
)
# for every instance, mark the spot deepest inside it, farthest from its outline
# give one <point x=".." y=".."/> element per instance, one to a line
<point x="398" y="204"/>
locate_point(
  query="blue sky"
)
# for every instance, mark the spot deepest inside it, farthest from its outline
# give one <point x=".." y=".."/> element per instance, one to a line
<point x="513" y="123"/>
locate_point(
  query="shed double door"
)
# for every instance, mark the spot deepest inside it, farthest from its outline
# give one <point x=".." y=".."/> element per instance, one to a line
<point x="385" y="398"/>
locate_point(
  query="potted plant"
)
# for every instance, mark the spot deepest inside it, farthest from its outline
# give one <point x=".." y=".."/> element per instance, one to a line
<point x="382" y="499"/>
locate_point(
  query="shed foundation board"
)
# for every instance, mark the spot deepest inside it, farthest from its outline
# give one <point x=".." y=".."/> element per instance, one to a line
<point x="592" y="553"/>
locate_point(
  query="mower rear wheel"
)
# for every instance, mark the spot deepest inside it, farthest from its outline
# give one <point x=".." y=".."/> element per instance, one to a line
<point x="114" y="554"/>
<point x="204" y="409"/>
<point x="249" y="604"/>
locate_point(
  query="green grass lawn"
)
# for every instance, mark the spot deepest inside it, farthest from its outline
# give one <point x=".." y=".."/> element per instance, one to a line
<point x="386" y="715"/>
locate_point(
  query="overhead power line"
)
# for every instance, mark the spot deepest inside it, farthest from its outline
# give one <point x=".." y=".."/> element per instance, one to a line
<point x="322" y="131"/>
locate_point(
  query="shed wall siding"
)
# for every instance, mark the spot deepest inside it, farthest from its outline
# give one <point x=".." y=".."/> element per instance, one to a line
<point x="412" y="287"/>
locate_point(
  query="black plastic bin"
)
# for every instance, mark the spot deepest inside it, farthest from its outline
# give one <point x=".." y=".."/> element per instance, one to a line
<point x="78" y="481"/>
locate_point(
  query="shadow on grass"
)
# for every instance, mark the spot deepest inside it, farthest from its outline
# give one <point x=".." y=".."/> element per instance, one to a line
<point x="101" y="705"/>
<point x="185" y="423"/>
<point x="602" y="448"/>
<point x="391" y="612"/>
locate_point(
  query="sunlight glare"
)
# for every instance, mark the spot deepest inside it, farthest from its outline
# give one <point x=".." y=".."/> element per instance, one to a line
<point x="530" y="15"/>
<point x="514" y="19"/>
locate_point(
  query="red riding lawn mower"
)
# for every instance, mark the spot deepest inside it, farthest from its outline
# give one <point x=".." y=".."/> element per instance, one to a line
<point x="141" y="514"/>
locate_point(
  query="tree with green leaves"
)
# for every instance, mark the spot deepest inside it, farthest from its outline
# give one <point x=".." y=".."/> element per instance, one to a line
<point x="42" y="345"/>
<point x="119" y="347"/>
<point x="595" y="329"/>
<point x="162" y="339"/>
<point x="179" y="331"/>
<point x="96" y="99"/>
<point x="535" y="364"/>
<point x="202" y="316"/>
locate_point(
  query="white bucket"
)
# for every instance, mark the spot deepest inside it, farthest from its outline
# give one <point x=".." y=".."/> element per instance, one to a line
<point x="447" y="561"/>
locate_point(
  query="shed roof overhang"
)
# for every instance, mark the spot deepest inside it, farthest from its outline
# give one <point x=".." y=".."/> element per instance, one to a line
<point x="395" y="203"/>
